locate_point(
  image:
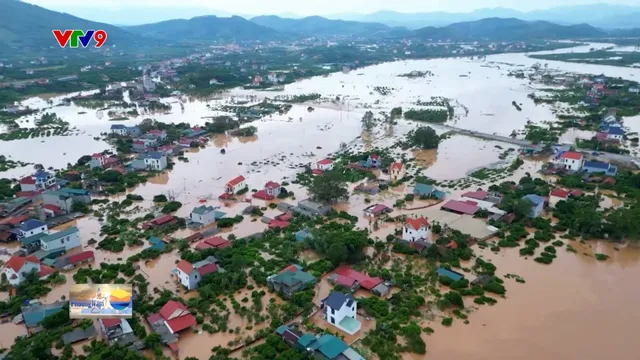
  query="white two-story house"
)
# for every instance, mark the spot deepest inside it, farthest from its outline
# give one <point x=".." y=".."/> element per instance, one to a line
<point x="190" y="274"/>
<point x="570" y="160"/>
<point x="340" y="310"/>
<point x="68" y="238"/>
<point x="204" y="215"/>
<point x="155" y="161"/>
<point x="18" y="267"/>
<point x="396" y="171"/>
<point x="31" y="227"/>
<point x="416" y="229"/>
<point x="325" y="165"/>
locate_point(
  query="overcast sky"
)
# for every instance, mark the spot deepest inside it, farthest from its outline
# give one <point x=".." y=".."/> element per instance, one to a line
<point x="322" y="7"/>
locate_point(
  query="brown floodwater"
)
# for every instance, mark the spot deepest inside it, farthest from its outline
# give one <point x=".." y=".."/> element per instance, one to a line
<point x="575" y="308"/>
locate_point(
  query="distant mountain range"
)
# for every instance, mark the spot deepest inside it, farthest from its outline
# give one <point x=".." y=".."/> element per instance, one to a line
<point x="207" y="28"/>
<point x="319" y="26"/>
<point x="24" y="26"/>
<point x="607" y="16"/>
<point x="510" y="30"/>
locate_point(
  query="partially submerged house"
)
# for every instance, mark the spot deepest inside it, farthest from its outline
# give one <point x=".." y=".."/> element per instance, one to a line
<point x="594" y="167"/>
<point x="416" y="229"/>
<point x="460" y="207"/>
<point x="377" y="210"/>
<point x="205" y="215"/>
<point x="322" y="166"/>
<point x="190" y="274"/>
<point x="17" y="268"/>
<point x="157" y="244"/>
<point x="570" y="160"/>
<point x="71" y="261"/>
<point x="65" y="197"/>
<point x="271" y="191"/>
<point x="396" y="171"/>
<point x="537" y="205"/>
<point x="34" y="312"/>
<point x="31" y="227"/>
<point x="291" y="279"/>
<point x="235" y="185"/>
<point x="364" y="280"/>
<point x="428" y="191"/>
<point x="340" y="310"/>
<point x="325" y="347"/>
<point x="79" y="334"/>
<point x="175" y="316"/>
<point x="557" y="195"/>
<point x="115" y="329"/>
<point x="163" y="220"/>
<point x="214" y="242"/>
<point x="311" y="208"/>
<point x="453" y="275"/>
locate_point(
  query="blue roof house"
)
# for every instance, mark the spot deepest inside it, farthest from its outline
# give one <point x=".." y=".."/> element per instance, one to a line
<point x="615" y="133"/>
<point x="33" y="314"/>
<point x="453" y="275"/>
<point x="157" y="244"/>
<point x="424" y="190"/>
<point x="31" y="227"/>
<point x="537" y="205"/>
<point x="303" y="234"/>
<point x="593" y="167"/>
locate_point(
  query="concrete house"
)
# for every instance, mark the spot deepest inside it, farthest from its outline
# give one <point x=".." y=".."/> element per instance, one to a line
<point x="28" y="184"/>
<point x="340" y="310"/>
<point x="175" y="316"/>
<point x="272" y="189"/>
<point x="428" y="191"/>
<point x="291" y="279"/>
<point x="615" y="133"/>
<point x="373" y="161"/>
<point x="68" y="238"/>
<point x="557" y="195"/>
<point x="31" y="227"/>
<point x="45" y="180"/>
<point x="113" y="329"/>
<point x="65" y="197"/>
<point x="396" y="171"/>
<point x="324" y="165"/>
<point x="570" y="160"/>
<point x="204" y="215"/>
<point x="190" y="274"/>
<point x="158" y="134"/>
<point x="537" y="205"/>
<point x="235" y="185"/>
<point x="97" y="160"/>
<point x="119" y="129"/>
<point x="17" y="268"/>
<point x="155" y="161"/>
<point x="416" y="229"/>
<point x="594" y="167"/>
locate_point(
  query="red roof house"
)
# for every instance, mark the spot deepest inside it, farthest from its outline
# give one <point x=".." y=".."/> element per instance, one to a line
<point x="478" y="195"/>
<point x="51" y="209"/>
<point x="571" y="155"/>
<point x="207" y="269"/>
<point x="278" y="224"/>
<point x="162" y="220"/>
<point x="559" y="193"/>
<point x="28" y="180"/>
<point x="176" y="316"/>
<point x="185" y="266"/>
<point x="270" y="191"/>
<point x="461" y="207"/>
<point x="80" y="257"/>
<point x="213" y="242"/>
<point x="365" y="280"/>
<point x="325" y="162"/>
<point x="417" y="223"/>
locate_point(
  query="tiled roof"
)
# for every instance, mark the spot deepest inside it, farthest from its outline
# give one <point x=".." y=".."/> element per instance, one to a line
<point x="325" y="162"/>
<point x="536" y="199"/>
<point x="79" y="257"/>
<point x="236" y="181"/>
<point x="17" y="262"/>
<point x="170" y="307"/>
<point x="417" y="223"/>
<point x="461" y="207"/>
<point x="336" y="300"/>
<point x="185" y="266"/>
<point x="272" y="185"/>
<point x="478" y="195"/>
<point x="365" y="280"/>
<point x="207" y="269"/>
<point x="571" y="155"/>
<point x="201" y="210"/>
<point x="395" y="166"/>
<point x="28" y="180"/>
<point x="107" y="323"/>
<point x="559" y="193"/>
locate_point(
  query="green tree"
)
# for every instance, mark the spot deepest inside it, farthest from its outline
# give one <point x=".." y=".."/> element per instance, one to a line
<point x="425" y="138"/>
<point x="367" y="121"/>
<point x="329" y="187"/>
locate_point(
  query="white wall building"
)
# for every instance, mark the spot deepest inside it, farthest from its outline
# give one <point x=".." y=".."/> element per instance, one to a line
<point x="340" y="310"/>
<point x="324" y="165"/>
<point x="155" y="161"/>
<point x="416" y="229"/>
<point x="235" y="185"/>
<point x="68" y="239"/>
<point x="570" y="160"/>
<point x="31" y="227"/>
<point x="204" y="215"/>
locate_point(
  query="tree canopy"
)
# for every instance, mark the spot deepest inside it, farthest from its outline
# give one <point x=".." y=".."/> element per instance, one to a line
<point x="329" y="187"/>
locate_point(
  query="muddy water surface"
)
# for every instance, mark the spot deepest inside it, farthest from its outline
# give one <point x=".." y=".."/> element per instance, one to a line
<point x="575" y="308"/>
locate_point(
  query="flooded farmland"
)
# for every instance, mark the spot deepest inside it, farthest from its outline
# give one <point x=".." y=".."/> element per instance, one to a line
<point x="565" y="311"/>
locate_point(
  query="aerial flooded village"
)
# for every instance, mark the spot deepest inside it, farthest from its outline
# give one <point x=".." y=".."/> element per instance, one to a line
<point x="272" y="188"/>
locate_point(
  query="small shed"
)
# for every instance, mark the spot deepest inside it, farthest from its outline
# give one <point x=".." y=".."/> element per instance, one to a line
<point x="453" y="275"/>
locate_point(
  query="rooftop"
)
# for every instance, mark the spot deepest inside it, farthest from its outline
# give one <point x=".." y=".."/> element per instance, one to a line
<point x="417" y="223"/>
<point x="59" y="234"/>
<point x="201" y="210"/>
<point x="31" y="224"/>
<point x="365" y="280"/>
<point x="571" y="155"/>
